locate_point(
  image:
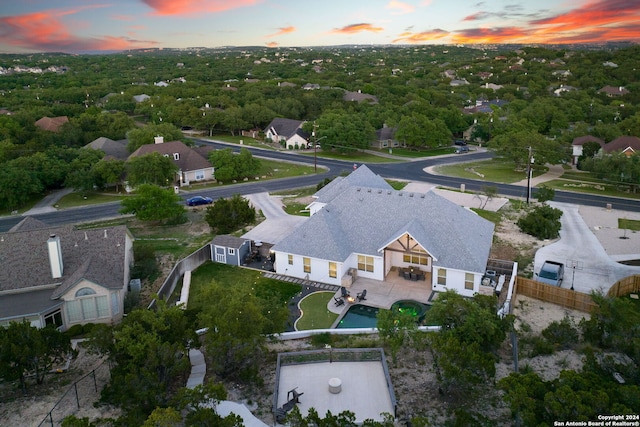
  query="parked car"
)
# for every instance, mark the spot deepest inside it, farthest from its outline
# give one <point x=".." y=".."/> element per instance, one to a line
<point x="199" y="200"/>
<point x="462" y="149"/>
<point x="460" y="142"/>
<point x="551" y="273"/>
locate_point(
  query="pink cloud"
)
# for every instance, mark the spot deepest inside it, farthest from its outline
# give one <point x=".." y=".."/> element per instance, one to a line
<point x="273" y="44"/>
<point x="357" y="28"/>
<point x="192" y="7"/>
<point x="424" y="36"/>
<point x="43" y="31"/>
<point x="283" y="30"/>
<point x="400" y="7"/>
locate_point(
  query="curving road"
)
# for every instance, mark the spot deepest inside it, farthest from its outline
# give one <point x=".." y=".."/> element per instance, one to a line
<point x="411" y="170"/>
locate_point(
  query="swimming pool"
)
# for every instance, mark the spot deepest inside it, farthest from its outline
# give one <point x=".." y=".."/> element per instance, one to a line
<point x="362" y="316"/>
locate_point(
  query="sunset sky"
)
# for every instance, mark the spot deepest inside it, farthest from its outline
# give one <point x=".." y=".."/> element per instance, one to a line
<point x="77" y="26"/>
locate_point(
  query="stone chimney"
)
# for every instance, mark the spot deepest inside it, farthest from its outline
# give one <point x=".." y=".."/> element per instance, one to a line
<point x="55" y="256"/>
<point x="159" y="139"/>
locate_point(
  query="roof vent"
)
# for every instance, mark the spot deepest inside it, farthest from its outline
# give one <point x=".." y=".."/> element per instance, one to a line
<point x="422" y="196"/>
<point x="358" y="189"/>
<point x="368" y="190"/>
<point x="410" y="194"/>
<point x="105" y="234"/>
<point x="388" y="191"/>
<point x="86" y="237"/>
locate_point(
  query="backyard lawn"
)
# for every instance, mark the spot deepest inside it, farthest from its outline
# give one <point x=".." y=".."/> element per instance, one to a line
<point x="315" y="314"/>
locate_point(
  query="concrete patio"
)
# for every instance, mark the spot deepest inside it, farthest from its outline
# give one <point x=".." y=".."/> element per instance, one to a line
<point x="383" y="293"/>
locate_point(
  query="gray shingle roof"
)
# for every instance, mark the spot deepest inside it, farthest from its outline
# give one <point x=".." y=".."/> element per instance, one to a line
<point x="365" y="220"/>
<point x="188" y="159"/>
<point x="361" y="177"/>
<point x="228" y="241"/>
<point x="117" y="149"/>
<point x="285" y="127"/>
<point x="97" y="255"/>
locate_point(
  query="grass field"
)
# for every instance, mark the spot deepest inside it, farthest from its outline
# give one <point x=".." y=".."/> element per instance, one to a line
<point x="315" y="314"/>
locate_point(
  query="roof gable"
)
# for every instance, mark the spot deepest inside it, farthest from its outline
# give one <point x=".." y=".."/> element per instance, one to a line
<point x="623" y="143"/>
<point x="284" y="127"/>
<point x="187" y="158"/>
<point x="361" y="177"/>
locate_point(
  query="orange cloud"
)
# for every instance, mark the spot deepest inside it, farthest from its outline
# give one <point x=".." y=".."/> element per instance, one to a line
<point x="283" y="30"/>
<point x="192" y="7"/>
<point x="490" y="35"/>
<point x="273" y="44"/>
<point x="424" y="36"/>
<point x="357" y="28"/>
<point x="401" y="7"/>
<point x="43" y="31"/>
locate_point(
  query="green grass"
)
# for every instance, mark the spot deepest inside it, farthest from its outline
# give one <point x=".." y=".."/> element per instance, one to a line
<point x="591" y="187"/>
<point x="355" y="156"/>
<point x="629" y="224"/>
<point x="397" y="185"/>
<point x="87" y="198"/>
<point x="230" y="276"/>
<point x="295" y="208"/>
<point x="490" y="170"/>
<point x="273" y="169"/>
<point x="315" y="314"/>
<point x="494" y="217"/>
<point x="404" y="152"/>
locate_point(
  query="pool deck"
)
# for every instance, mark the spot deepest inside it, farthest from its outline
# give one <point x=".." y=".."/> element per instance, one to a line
<point x="383" y="293"/>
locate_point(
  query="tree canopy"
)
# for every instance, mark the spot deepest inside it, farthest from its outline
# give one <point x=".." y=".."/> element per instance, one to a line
<point x="152" y="203"/>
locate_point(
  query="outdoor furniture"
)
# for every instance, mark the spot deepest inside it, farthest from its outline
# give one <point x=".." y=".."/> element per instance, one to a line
<point x="407" y="275"/>
<point x="361" y="296"/>
<point x="338" y="301"/>
<point x="344" y="292"/>
<point x="414" y="276"/>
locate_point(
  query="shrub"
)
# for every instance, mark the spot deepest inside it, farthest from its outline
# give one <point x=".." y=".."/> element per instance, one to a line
<point x="562" y="334"/>
<point x="542" y="222"/>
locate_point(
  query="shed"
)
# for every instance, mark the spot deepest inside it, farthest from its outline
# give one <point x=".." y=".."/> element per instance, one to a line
<point x="229" y="250"/>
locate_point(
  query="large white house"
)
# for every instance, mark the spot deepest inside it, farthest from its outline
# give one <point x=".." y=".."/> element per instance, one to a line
<point x="373" y="231"/>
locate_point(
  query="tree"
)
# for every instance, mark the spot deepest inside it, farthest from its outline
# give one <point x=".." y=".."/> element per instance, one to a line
<point x="17" y="186"/>
<point x="152" y="168"/>
<point x="545" y="193"/>
<point x="230" y="166"/>
<point x="145" y="135"/>
<point x="395" y="328"/>
<point x="149" y="352"/>
<point x="345" y="131"/>
<point x="489" y="192"/>
<point x="81" y="176"/>
<point x="152" y="203"/>
<point x="542" y="222"/>
<point x="227" y="215"/>
<point x="109" y="172"/>
<point x="25" y="349"/>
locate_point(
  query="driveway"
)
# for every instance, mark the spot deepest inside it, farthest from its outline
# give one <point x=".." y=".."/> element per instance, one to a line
<point x="588" y="260"/>
<point x="277" y="225"/>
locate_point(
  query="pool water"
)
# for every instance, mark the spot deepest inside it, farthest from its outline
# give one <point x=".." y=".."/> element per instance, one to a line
<point x="359" y="316"/>
<point x="362" y="316"/>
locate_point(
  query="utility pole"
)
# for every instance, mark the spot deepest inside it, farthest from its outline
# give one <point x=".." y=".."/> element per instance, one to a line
<point x="315" y="148"/>
<point x="529" y="161"/>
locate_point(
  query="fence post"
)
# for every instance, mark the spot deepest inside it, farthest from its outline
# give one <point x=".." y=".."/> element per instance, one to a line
<point x="75" y="386"/>
<point x="95" y="384"/>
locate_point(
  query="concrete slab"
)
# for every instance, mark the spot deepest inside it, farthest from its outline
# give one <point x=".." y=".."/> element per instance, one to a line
<point x="364" y="388"/>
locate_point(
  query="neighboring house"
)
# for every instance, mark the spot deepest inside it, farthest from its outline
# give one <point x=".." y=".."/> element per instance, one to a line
<point x="564" y="88"/>
<point x="161" y="84"/>
<point x="627" y="145"/>
<point x="458" y="82"/>
<point x="141" y="98"/>
<point x="192" y="166"/>
<point x="286" y="84"/>
<point x="374" y="232"/>
<point x="492" y="86"/>
<point x="287" y="132"/>
<point x="359" y="97"/>
<point x="577" y="144"/>
<point x="62" y="275"/>
<point x="612" y="91"/>
<point x="385" y="138"/>
<point x="52" y="124"/>
<point x="229" y="250"/>
<point x="111" y="148"/>
<point x="311" y="86"/>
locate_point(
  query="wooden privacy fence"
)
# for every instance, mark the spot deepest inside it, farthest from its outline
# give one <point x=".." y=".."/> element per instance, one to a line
<point x="625" y="286"/>
<point x="553" y="294"/>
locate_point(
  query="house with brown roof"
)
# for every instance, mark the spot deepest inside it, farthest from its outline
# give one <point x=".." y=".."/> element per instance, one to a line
<point x="577" y="144"/>
<point x="52" y="124"/>
<point x="612" y="91"/>
<point x="64" y="276"/>
<point x="627" y="145"/>
<point x="192" y="166"/>
<point x="385" y="138"/>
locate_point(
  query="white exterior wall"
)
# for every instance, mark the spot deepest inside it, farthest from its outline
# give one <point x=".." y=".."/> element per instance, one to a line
<point x="378" y="267"/>
<point x="319" y="269"/>
<point x="296" y="139"/>
<point x="455" y="281"/>
<point x="190" y="176"/>
<point x="99" y="291"/>
<point x="315" y="207"/>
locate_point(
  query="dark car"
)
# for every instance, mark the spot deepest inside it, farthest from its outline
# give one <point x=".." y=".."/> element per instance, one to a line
<point x="460" y="142"/>
<point x="199" y="200"/>
<point x="462" y="149"/>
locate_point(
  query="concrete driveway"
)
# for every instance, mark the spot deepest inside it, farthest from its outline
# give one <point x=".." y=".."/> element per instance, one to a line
<point x="277" y="225"/>
<point x="589" y="261"/>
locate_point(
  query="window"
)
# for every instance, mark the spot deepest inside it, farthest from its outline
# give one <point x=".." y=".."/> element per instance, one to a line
<point x="84" y="292"/>
<point x="176" y="156"/>
<point x="442" y="277"/>
<point x="200" y="175"/>
<point x="468" y="281"/>
<point x="89" y="308"/>
<point x="306" y="262"/>
<point x="115" y="306"/>
<point x="54" y="319"/>
<point x="231" y="251"/>
<point x="365" y="263"/>
<point x="415" y="259"/>
<point x="333" y="269"/>
<point x="290" y="257"/>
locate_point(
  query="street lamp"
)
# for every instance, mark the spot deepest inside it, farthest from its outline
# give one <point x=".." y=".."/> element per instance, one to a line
<point x="531" y="160"/>
<point x="315" y="147"/>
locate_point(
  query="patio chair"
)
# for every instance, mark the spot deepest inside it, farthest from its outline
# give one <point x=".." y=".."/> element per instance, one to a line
<point x="407" y="275"/>
<point x="361" y="296"/>
<point x="338" y="301"/>
<point x="344" y="292"/>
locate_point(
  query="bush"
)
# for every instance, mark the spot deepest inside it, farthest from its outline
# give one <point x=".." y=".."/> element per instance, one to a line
<point x="542" y="222"/>
<point x="563" y="334"/>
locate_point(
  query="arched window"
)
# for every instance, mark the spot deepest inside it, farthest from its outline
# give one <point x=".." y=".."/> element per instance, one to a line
<point x="84" y="292"/>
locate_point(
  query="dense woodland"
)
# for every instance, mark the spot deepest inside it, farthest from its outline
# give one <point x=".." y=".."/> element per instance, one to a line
<point x="224" y="91"/>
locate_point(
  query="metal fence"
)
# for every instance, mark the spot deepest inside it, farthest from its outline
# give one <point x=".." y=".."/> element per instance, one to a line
<point x="189" y="263"/>
<point x="82" y="393"/>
